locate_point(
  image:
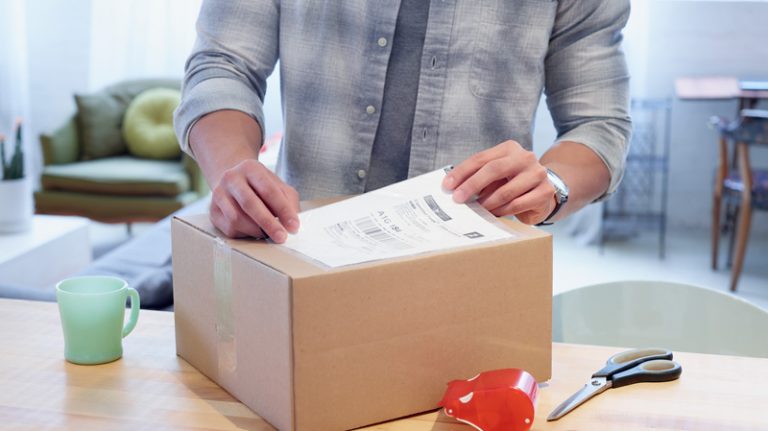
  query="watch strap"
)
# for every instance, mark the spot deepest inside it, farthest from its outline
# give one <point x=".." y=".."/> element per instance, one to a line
<point x="561" y="196"/>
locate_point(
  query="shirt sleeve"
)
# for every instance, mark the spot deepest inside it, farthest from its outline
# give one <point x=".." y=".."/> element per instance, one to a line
<point x="235" y="51"/>
<point x="587" y="83"/>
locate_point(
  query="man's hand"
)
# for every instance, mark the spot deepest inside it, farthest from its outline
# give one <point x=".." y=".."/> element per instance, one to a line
<point x="250" y="200"/>
<point x="508" y="180"/>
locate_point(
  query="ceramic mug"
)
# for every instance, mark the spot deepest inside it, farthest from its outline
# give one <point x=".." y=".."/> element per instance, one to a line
<point x="92" y="310"/>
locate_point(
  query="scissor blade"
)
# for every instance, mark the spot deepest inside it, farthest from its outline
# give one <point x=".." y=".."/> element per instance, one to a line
<point x="594" y="387"/>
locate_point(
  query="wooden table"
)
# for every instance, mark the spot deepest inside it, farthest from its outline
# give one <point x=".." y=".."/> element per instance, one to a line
<point x="748" y="93"/>
<point x="719" y="87"/>
<point x="151" y="388"/>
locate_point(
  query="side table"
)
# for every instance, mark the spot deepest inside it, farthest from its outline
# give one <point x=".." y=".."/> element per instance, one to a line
<point x="53" y="248"/>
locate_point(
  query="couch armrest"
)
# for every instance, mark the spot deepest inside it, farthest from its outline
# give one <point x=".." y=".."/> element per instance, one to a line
<point x="62" y="146"/>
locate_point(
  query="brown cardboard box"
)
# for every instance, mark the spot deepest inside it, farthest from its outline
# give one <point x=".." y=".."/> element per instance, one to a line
<point x="312" y="349"/>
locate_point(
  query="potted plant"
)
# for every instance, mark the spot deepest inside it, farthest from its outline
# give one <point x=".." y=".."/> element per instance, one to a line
<point x="16" y="205"/>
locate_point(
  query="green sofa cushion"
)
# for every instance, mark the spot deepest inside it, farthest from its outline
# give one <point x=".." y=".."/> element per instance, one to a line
<point x="100" y="116"/>
<point x="122" y="175"/>
<point x="148" y="124"/>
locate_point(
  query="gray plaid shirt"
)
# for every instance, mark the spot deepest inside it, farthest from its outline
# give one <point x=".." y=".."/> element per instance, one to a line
<point x="483" y="68"/>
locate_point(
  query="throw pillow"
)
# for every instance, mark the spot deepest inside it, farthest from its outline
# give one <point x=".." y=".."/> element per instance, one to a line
<point x="99" y="116"/>
<point x="148" y="124"/>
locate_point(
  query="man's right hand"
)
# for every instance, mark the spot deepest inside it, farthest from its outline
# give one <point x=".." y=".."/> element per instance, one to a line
<point x="248" y="199"/>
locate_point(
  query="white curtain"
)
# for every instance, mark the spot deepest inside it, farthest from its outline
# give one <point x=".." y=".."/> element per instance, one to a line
<point x="150" y="39"/>
<point x="140" y="39"/>
<point x="14" y="100"/>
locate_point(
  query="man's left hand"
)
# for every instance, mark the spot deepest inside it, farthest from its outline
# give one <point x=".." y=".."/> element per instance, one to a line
<point x="508" y="180"/>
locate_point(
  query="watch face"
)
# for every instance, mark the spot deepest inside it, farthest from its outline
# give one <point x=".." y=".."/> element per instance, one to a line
<point x="559" y="185"/>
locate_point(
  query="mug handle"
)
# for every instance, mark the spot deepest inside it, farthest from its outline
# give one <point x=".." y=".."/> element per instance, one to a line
<point x="134" y="312"/>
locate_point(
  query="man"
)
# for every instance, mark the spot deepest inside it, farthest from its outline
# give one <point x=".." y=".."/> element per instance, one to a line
<point x="375" y="92"/>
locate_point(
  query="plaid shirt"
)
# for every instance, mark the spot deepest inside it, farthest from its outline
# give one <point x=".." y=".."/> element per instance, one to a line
<point x="483" y="68"/>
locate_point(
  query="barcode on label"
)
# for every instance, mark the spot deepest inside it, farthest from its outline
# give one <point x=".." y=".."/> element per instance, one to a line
<point x="369" y="227"/>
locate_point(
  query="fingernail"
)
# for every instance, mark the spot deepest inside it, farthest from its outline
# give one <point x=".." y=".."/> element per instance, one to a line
<point x="279" y="237"/>
<point x="459" y="196"/>
<point x="448" y="182"/>
<point x="292" y="225"/>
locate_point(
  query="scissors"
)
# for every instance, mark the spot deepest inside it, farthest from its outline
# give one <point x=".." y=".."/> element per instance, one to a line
<point x="622" y="369"/>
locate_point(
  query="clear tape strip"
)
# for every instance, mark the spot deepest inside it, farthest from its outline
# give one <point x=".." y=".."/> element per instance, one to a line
<point x="225" y="327"/>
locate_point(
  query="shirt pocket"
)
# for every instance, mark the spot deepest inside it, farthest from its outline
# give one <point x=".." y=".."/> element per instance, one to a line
<point x="511" y="42"/>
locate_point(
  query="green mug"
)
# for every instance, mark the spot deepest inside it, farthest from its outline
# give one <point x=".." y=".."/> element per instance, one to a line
<point x="92" y="312"/>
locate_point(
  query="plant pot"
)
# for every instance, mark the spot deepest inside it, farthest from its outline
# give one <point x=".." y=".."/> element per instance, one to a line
<point x="16" y="206"/>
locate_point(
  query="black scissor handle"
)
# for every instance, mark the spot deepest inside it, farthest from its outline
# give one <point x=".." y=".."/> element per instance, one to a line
<point x="657" y="370"/>
<point x="628" y="359"/>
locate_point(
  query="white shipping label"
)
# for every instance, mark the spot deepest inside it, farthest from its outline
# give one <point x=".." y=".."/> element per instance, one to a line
<point x="403" y="219"/>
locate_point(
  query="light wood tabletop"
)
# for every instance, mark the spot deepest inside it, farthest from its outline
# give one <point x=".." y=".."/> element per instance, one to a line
<point x="151" y="388"/>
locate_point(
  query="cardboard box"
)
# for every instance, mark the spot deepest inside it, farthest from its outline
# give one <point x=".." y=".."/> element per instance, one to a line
<point x="312" y="349"/>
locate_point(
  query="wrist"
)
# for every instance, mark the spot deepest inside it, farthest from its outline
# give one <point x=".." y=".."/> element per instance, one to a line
<point x="221" y="140"/>
<point x="560" y="196"/>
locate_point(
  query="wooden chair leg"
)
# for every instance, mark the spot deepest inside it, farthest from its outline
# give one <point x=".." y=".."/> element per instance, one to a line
<point x="742" y="236"/>
<point x="716" y="229"/>
<point x="721" y="173"/>
<point x="730" y="231"/>
<point x="745" y="218"/>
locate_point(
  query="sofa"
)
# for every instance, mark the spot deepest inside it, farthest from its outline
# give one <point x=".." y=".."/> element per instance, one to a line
<point x="92" y="170"/>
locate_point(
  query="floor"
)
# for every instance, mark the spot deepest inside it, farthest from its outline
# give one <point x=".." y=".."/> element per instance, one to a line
<point x="575" y="264"/>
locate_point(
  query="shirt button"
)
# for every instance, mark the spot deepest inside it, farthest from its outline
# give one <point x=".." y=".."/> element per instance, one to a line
<point x="382" y="42"/>
<point x="361" y="174"/>
<point x="370" y="109"/>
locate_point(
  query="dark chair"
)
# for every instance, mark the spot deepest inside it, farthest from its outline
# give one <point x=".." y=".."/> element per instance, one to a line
<point x="738" y="185"/>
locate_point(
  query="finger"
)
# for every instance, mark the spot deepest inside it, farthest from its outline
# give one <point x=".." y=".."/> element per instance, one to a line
<point x="253" y="207"/>
<point x="219" y="221"/>
<point x="495" y="170"/>
<point x="269" y="188"/>
<point x="540" y="198"/>
<point x="293" y="199"/>
<point x="468" y="167"/>
<point x="227" y="216"/>
<point x="490" y="189"/>
<point x="512" y="189"/>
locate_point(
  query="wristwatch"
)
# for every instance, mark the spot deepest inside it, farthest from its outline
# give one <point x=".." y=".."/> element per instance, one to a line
<point x="561" y="195"/>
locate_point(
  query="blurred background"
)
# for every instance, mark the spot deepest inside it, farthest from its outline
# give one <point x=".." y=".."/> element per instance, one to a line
<point x="690" y="61"/>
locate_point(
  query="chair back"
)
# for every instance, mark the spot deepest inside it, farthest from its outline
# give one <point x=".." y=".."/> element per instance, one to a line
<point x="653" y="313"/>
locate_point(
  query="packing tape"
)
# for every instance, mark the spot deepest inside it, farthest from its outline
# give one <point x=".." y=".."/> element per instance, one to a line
<point x="225" y="326"/>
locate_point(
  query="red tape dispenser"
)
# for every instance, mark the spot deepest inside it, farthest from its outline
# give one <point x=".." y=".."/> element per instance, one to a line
<point x="499" y="400"/>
